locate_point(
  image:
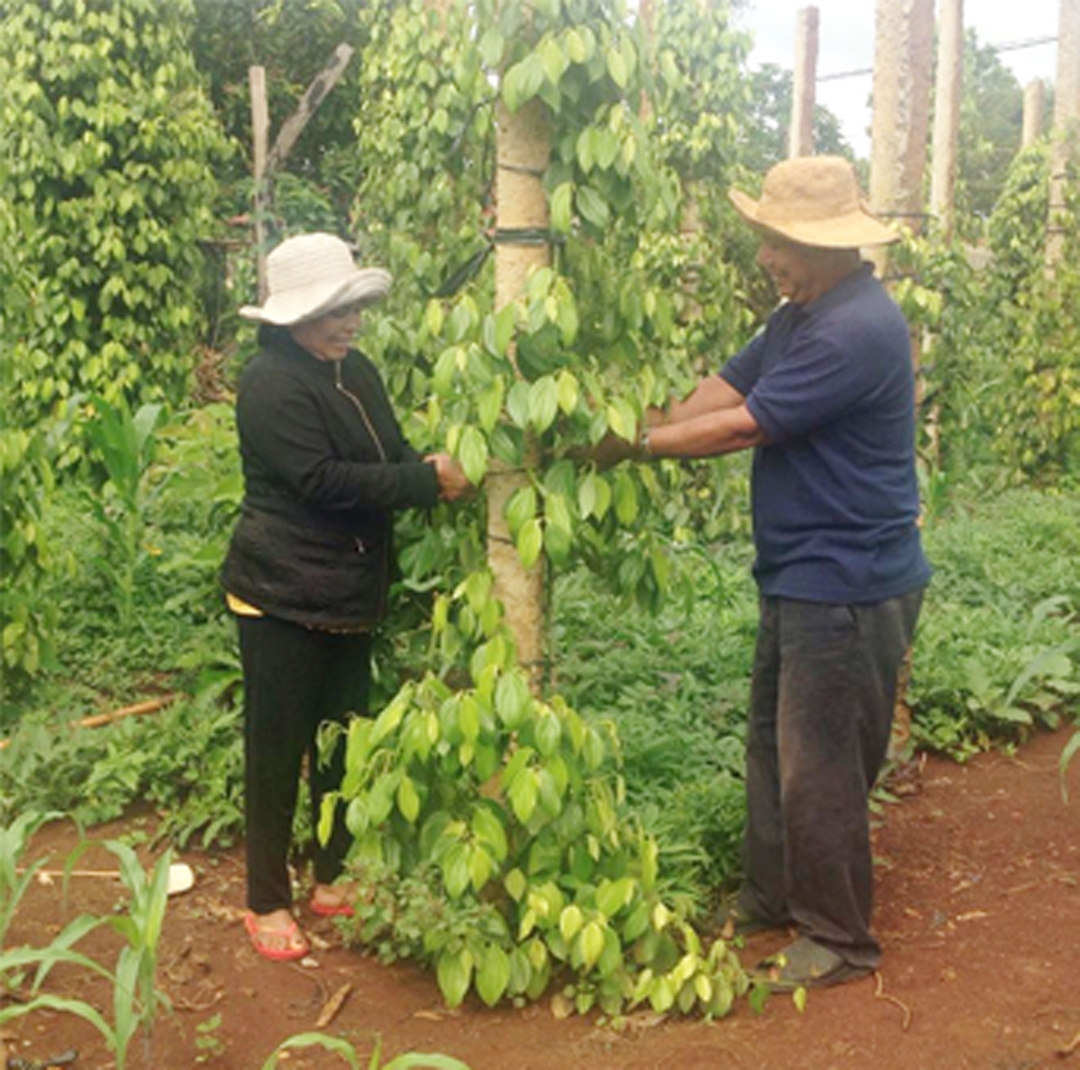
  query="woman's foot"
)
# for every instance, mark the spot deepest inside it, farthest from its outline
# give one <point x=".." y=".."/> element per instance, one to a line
<point x="333" y="900"/>
<point x="276" y="936"/>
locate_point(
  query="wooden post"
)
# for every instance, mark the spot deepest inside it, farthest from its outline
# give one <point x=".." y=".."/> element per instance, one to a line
<point x="260" y="134"/>
<point x="1034" y="112"/>
<point x="523" y="152"/>
<point x="804" y="77"/>
<point x="266" y="163"/>
<point x="1066" y="134"/>
<point x="950" y="66"/>
<point x="313" y="96"/>
<point x="902" y="63"/>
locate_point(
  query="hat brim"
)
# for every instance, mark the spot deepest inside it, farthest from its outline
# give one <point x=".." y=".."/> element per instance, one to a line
<point x="366" y="286"/>
<point x="851" y="231"/>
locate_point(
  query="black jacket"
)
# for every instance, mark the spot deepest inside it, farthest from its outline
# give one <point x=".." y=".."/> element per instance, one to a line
<point x="325" y="464"/>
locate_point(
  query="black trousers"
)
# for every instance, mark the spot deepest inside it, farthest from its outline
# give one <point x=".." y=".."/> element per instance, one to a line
<point x="822" y="698"/>
<point x="294" y="679"/>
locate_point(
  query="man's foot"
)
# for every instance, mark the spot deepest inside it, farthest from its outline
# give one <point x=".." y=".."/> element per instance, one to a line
<point x="276" y="936"/>
<point x="805" y="964"/>
<point x="333" y="900"/>
<point x="738" y="922"/>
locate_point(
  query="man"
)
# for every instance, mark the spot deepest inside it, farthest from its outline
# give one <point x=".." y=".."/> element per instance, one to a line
<point x="825" y="396"/>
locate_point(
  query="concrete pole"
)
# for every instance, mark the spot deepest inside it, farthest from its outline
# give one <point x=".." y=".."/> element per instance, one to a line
<point x="947" y="89"/>
<point x="523" y="154"/>
<point x="903" y="56"/>
<point x="902" y="63"/>
<point x="1066" y="135"/>
<point x="801" y="131"/>
<point x="1034" y="110"/>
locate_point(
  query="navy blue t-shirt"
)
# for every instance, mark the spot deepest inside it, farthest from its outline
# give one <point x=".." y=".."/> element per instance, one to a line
<point x="835" y="496"/>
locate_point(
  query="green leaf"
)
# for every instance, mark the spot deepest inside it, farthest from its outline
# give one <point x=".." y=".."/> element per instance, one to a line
<point x="593" y="207"/>
<point x="523" y="794"/>
<point x="454" y="973"/>
<point x="529" y="542"/>
<point x="571" y="921"/>
<point x="515" y="884"/>
<point x="505" y="320"/>
<point x="455" y="869"/>
<point x="480" y="867"/>
<point x="489" y="830"/>
<point x="517" y="403"/>
<point x="591" y="943"/>
<point x="473" y="453"/>
<point x="575" y="46"/>
<point x="553" y="60"/>
<point x="548" y="733"/>
<point x="512" y="699"/>
<point x="408" y="801"/>
<point x="562" y="208"/>
<point x="520" y="508"/>
<point x="617" y="68"/>
<point x="626" y="499"/>
<point x="492" y="974"/>
<point x="612" y="896"/>
<point x="1067" y="754"/>
<point x="543" y="402"/>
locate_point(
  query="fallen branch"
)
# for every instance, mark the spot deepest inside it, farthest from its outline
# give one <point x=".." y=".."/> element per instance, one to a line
<point x="332" y="1006"/>
<point x="97" y="720"/>
<point x="1069" y="1048"/>
<point x="879" y="993"/>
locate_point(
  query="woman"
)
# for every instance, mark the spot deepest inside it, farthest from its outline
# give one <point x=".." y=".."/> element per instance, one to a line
<point x="307" y="573"/>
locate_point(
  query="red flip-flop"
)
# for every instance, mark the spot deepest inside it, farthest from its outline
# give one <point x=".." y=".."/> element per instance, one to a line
<point x="275" y="954"/>
<point x="325" y="910"/>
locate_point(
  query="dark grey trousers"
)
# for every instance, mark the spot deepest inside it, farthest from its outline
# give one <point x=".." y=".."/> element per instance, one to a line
<point x="294" y="679"/>
<point x="821" y="707"/>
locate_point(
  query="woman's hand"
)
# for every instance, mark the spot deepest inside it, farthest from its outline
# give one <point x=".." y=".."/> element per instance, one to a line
<point x="453" y="483"/>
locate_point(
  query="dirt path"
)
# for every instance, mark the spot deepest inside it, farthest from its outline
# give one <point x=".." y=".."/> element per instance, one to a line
<point x="978" y="912"/>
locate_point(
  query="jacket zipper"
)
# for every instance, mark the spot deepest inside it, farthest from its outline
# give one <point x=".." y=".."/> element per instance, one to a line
<point x="361" y="549"/>
<point x="341" y="388"/>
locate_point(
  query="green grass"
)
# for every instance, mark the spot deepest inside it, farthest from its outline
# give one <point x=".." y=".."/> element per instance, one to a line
<point x="675" y="687"/>
<point x="997" y="654"/>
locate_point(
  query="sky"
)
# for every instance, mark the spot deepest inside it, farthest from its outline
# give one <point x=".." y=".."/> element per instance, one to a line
<point x="846" y="43"/>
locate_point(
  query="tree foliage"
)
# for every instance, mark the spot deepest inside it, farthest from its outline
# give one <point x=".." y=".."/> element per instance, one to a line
<point x="292" y="40"/>
<point x="109" y="145"/>
<point x="991" y="120"/>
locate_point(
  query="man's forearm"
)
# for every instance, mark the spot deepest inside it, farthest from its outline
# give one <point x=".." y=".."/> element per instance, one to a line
<point x="710" y="395"/>
<point x="710" y="434"/>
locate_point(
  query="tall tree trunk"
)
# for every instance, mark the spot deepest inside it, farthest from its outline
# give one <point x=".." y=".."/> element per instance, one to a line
<point x="902" y="67"/>
<point x="1066" y="137"/>
<point x="950" y="66"/>
<point x="804" y="84"/>
<point x="523" y="152"/>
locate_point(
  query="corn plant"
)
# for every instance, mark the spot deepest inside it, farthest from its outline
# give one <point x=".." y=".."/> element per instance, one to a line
<point x="412" y="1060"/>
<point x="136" y="997"/>
<point x="125" y="443"/>
<point x="14" y="839"/>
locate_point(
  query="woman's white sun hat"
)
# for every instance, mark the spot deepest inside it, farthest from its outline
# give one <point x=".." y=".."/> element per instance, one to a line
<point x="813" y="200"/>
<point x="312" y="274"/>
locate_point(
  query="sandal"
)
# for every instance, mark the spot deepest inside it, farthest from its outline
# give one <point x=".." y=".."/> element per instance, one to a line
<point x="288" y="937"/>
<point x="805" y="964"/>
<point x="338" y="909"/>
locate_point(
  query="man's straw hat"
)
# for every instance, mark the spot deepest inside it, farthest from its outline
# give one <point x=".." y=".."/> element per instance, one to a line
<point x="311" y="275"/>
<point x="816" y="201"/>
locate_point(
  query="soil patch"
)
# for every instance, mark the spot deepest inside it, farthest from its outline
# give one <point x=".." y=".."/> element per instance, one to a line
<point x="978" y="912"/>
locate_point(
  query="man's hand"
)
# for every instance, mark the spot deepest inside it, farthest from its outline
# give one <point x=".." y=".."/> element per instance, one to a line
<point x="610" y="451"/>
<point x="453" y="483"/>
